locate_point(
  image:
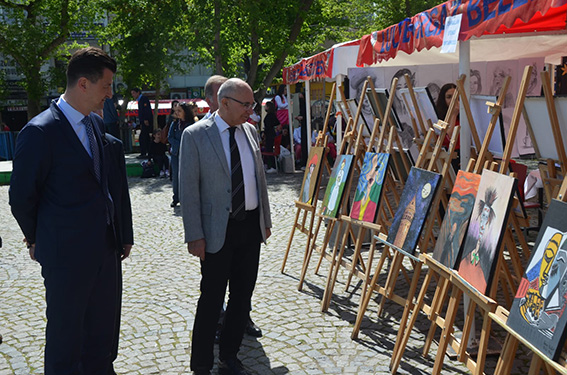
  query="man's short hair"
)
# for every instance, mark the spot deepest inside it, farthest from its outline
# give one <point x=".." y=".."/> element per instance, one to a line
<point x="213" y="81"/>
<point x="135" y="89"/>
<point x="90" y="63"/>
<point x="230" y="87"/>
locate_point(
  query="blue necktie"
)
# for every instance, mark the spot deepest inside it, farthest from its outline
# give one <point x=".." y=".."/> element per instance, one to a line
<point x="94" y="147"/>
<point x="238" y="204"/>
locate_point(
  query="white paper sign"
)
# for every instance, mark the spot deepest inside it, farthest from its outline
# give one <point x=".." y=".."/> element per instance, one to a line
<point x="451" y="35"/>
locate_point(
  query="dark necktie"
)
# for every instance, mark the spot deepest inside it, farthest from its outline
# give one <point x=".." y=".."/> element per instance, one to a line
<point x="238" y="205"/>
<point x="94" y="147"/>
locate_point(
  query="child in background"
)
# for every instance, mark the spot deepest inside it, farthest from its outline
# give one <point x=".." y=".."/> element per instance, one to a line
<point x="157" y="154"/>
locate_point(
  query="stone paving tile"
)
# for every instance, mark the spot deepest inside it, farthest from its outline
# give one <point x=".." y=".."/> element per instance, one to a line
<point x="161" y="288"/>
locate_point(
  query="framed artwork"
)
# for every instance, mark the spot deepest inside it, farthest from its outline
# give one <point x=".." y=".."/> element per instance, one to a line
<point x="357" y="77"/>
<point x="353" y="106"/>
<point x="424" y="101"/>
<point x="486" y="228"/>
<point x="456" y="220"/>
<point x="379" y="104"/>
<point x="312" y="172"/>
<point x="369" y="187"/>
<point x="336" y="186"/>
<point x="536" y="108"/>
<point x="482" y="119"/>
<point x="537" y="312"/>
<point x="415" y="202"/>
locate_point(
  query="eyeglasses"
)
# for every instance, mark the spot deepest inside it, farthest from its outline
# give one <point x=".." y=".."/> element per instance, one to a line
<point x="245" y="105"/>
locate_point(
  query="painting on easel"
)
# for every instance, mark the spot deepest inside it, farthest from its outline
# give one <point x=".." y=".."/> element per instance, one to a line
<point x="336" y="186"/>
<point x="537" y="312"/>
<point x="415" y="202"/>
<point x="456" y="220"/>
<point x="486" y="229"/>
<point x="369" y="187"/>
<point x="311" y="175"/>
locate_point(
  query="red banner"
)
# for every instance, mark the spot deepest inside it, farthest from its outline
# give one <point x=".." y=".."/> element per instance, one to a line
<point x="479" y="17"/>
<point x="318" y="66"/>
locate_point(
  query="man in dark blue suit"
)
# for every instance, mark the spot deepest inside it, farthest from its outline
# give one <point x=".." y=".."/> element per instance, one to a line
<point x="146" y="121"/>
<point x="63" y="197"/>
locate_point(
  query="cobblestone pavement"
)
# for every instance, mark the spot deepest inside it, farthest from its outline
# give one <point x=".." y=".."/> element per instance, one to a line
<point x="161" y="288"/>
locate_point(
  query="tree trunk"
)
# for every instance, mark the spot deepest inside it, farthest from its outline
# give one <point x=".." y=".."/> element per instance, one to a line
<point x="294" y="33"/>
<point x="34" y="90"/>
<point x="216" y="42"/>
<point x="254" y="58"/>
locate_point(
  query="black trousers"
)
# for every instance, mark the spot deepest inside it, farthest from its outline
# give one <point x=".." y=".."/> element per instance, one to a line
<point x="82" y="306"/>
<point x="236" y="264"/>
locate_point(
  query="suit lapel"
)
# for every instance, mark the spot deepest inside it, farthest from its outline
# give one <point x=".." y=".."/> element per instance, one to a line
<point x="214" y="136"/>
<point x="71" y="136"/>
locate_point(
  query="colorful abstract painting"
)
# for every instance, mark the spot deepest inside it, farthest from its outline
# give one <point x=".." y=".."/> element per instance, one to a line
<point x="415" y="202"/>
<point x="369" y="187"/>
<point x="311" y="176"/>
<point x="537" y="311"/>
<point x="484" y="235"/>
<point x="456" y="220"/>
<point x="336" y="186"/>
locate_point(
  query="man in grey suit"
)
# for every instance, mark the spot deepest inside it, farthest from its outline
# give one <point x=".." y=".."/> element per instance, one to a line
<point x="226" y="216"/>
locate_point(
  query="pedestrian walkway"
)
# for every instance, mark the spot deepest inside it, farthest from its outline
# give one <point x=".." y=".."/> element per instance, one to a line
<point x="161" y="288"/>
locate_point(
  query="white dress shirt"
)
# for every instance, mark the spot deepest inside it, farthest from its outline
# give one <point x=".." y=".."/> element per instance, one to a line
<point x="246" y="158"/>
<point x="75" y="119"/>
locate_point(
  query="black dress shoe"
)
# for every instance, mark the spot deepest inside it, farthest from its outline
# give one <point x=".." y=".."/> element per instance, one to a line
<point x="231" y="367"/>
<point x="174" y="203"/>
<point x="252" y="329"/>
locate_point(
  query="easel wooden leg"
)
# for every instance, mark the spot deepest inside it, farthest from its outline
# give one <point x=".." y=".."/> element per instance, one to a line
<point x="334" y="269"/>
<point x="290" y="239"/>
<point x="447" y="329"/>
<point x="309" y="250"/>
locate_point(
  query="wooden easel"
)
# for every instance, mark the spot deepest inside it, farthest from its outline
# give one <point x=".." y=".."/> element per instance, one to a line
<point x="308" y="210"/>
<point x="350" y="224"/>
<point x="459" y="287"/>
<point x="396" y="266"/>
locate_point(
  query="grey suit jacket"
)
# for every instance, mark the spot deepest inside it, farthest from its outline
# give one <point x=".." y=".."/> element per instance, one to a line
<point x="205" y="184"/>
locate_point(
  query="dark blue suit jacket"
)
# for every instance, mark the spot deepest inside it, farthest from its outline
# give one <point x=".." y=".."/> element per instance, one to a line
<point x="145" y="111"/>
<point x="54" y="193"/>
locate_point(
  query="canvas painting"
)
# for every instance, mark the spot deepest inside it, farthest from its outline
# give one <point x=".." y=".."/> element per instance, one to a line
<point x="311" y="175"/>
<point x="336" y="186"/>
<point x="538" y="308"/>
<point x="484" y="235"/>
<point x="456" y="220"/>
<point x="369" y="187"/>
<point x="424" y="102"/>
<point x="415" y="202"/>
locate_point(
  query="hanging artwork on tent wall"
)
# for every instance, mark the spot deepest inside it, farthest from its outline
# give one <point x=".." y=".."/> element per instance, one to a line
<point x="336" y="185"/>
<point x="456" y="220"/>
<point x="415" y="202"/>
<point x="486" y="229"/>
<point x="369" y="187"/>
<point x="538" y="309"/>
<point x="311" y="175"/>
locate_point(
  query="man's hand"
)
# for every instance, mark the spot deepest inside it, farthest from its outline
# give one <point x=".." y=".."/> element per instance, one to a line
<point x="197" y="248"/>
<point x="127" y="249"/>
<point x="268" y="232"/>
<point x="31" y="249"/>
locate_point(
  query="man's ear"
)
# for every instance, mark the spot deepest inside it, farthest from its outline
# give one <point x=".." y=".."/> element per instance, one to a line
<point x="82" y="83"/>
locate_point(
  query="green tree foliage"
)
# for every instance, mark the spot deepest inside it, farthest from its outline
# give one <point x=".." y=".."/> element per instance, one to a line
<point x="34" y="31"/>
<point x="146" y="39"/>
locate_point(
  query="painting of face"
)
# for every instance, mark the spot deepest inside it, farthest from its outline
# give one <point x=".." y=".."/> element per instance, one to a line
<point x="311" y="176"/>
<point x="456" y="220"/>
<point x="537" y="312"/>
<point x="369" y="187"/>
<point x="484" y="235"/>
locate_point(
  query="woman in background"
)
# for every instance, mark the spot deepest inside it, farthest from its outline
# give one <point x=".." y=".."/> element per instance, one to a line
<point x="184" y="117"/>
